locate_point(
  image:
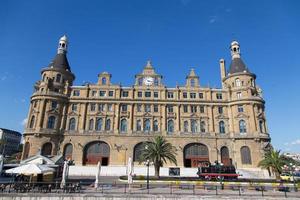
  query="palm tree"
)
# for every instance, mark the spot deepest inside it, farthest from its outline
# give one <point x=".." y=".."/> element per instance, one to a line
<point x="273" y="160"/>
<point x="158" y="150"/>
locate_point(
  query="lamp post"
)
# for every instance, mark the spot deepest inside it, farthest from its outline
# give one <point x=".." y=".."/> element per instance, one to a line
<point x="219" y="166"/>
<point x="292" y="169"/>
<point x="147" y="163"/>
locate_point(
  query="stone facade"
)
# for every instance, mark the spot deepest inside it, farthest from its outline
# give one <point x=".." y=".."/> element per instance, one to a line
<point x="107" y="122"/>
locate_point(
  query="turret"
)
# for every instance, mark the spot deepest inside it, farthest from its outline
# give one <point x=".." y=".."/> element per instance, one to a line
<point x="46" y="118"/>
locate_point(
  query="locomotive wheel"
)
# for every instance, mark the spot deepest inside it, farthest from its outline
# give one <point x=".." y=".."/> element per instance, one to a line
<point x="220" y="178"/>
<point x="208" y="178"/>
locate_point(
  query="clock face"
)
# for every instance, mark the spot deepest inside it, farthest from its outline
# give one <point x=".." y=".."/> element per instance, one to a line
<point x="148" y="81"/>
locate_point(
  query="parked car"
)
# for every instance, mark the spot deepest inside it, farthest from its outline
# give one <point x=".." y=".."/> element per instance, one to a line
<point x="286" y="177"/>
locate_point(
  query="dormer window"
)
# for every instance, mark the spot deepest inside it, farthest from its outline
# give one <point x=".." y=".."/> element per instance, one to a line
<point x="192" y="82"/>
<point x="140" y="81"/>
<point x="104" y="81"/>
<point x="156" y="82"/>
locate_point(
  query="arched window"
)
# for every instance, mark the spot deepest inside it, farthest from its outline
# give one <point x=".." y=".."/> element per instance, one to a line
<point x="123" y="126"/>
<point x="186" y="126"/>
<point x="194" y="125"/>
<point x="58" y="78"/>
<point x="26" y="150"/>
<point x="31" y="124"/>
<point x="72" y="124"/>
<point x="221" y="127"/>
<point x="147" y="125"/>
<point x="202" y="127"/>
<point x="225" y="159"/>
<point x="103" y="81"/>
<point x="155" y="126"/>
<point x="238" y="82"/>
<point x="137" y="151"/>
<point x="140" y="81"/>
<point x="107" y="125"/>
<point x="170" y="126"/>
<point x="195" y="155"/>
<point x="192" y="82"/>
<point x="91" y="124"/>
<point x="242" y="125"/>
<point x="261" y="126"/>
<point x="138" y="125"/>
<point x="246" y="155"/>
<point x="51" y="122"/>
<point x="68" y="151"/>
<point x="46" y="149"/>
<point x="99" y="123"/>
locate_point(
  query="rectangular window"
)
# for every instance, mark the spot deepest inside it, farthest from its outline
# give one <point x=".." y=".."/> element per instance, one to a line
<point x="240" y="109"/>
<point x="184" y="95"/>
<point x="74" y="107"/>
<point x="147" y="108"/>
<point x="124" y="93"/>
<point x="193" y="95"/>
<point x="139" y="108"/>
<point x="102" y="93"/>
<point x="101" y="107"/>
<point x="109" y="107"/>
<point x="200" y="95"/>
<point x="201" y="109"/>
<point x="53" y="105"/>
<point x="155" y="94"/>
<point x="170" y="109"/>
<point x="219" y="95"/>
<point x="239" y="95"/>
<point x="111" y="93"/>
<point x="140" y="94"/>
<point x="193" y="109"/>
<point x="170" y="95"/>
<point x="124" y="108"/>
<point x="220" y="110"/>
<point x="76" y="93"/>
<point x="94" y="93"/>
<point x="185" y="108"/>
<point x="92" y="107"/>
<point x="155" y="109"/>
<point x="147" y="94"/>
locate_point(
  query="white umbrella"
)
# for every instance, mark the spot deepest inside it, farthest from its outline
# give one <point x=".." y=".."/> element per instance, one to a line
<point x="30" y="169"/>
<point x="64" y="175"/>
<point x="1" y="163"/>
<point x="130" y="170"/>
<point x="98" y="170"/>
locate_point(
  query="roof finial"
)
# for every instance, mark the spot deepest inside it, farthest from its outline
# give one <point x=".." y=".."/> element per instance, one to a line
<point x="149" y="64"/>
<point x="62" y="45"/>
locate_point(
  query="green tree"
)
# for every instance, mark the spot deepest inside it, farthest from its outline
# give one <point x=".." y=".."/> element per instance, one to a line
<point x="158" y="150"/>
<point x="273" y="160"/>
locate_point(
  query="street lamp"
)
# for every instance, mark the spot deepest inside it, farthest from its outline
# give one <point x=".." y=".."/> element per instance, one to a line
<point x="292" y="169"/>
<point x="219" y="166"/>
<point x="147" y="163"/>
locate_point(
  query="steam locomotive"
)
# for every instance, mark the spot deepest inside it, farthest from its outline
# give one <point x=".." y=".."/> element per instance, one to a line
<point x="217" y="172"/>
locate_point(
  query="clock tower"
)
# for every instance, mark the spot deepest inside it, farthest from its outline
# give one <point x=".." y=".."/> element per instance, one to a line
<point x="148" y="77"/>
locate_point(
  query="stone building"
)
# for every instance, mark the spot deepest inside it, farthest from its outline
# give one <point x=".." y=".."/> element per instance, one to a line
<point x="108" y="122"/>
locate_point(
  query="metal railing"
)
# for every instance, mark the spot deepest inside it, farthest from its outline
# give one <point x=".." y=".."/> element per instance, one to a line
<point x="283" y="191"/>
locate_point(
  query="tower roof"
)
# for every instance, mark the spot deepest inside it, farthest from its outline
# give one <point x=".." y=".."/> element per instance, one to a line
<point x="237" y="65"/>
<point x="60" y="61"/>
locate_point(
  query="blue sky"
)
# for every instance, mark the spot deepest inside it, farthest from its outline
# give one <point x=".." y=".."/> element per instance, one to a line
<point x="120" y="36"/>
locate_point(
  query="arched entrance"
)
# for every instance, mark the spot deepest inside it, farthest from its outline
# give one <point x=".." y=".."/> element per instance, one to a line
<point x="47" y="149"/>
<point x="225" y="158"/>
<point x="195" y="154"/>
<point x="95" y="152"/>
<point x="68" y="151"/>
<point x="26" y="150"/>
